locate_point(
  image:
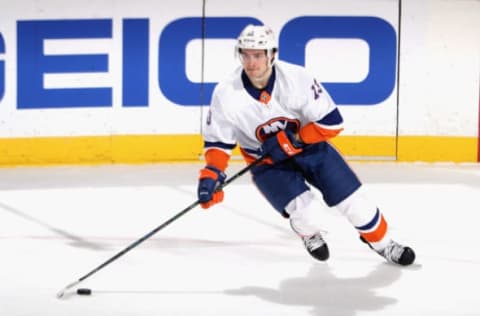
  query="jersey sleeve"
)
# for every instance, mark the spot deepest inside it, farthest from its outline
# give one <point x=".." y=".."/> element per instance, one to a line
<point x="218" y="135"/>
<point x="321" y="113"/>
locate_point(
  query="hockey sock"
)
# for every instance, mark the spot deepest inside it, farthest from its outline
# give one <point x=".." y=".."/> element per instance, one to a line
<point x="367" y="219"/>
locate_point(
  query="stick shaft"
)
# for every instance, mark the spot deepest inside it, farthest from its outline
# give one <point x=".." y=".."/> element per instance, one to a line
<point x="155" y="230"/>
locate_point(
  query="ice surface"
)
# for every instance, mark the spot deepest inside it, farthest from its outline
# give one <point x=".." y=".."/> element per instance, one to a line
<point x="238" y="258"/>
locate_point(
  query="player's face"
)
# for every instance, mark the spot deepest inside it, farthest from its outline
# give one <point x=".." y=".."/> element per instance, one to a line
<point x="255" y="63"/>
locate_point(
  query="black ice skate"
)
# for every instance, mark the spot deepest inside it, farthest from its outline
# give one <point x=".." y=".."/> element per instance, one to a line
<point x="316" y="246"/>
<point x="395" y="253"/>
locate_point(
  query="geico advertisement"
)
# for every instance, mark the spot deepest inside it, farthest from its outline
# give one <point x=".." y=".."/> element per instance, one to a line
<point x="106" y="72"/>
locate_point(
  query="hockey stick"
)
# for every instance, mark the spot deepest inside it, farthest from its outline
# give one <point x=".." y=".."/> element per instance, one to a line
<point x="154" y="231"/>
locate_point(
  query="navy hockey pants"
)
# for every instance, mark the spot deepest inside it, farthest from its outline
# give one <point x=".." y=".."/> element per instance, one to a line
<point x="319" y="165"/>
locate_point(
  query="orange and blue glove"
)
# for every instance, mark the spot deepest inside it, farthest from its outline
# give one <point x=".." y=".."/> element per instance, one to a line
<point x="210" y="179"/>
<point x="282" y="146"/>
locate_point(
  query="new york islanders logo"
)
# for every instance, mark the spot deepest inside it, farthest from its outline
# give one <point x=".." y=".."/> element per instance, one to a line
<point x="275" y="125"/>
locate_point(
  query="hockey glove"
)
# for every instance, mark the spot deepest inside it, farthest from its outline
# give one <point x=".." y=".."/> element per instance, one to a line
<point x="282" y="146"/>
<point x="210" y="179"/>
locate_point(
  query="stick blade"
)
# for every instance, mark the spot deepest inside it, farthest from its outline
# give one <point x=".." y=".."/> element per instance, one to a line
<point x="61" y="293"/>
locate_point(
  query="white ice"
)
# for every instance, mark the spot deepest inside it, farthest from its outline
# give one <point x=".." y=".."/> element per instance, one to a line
<point x="238" y="258"/>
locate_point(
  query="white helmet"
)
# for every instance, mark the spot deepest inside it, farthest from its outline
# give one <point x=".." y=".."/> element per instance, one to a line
<point x="257" y="37"/>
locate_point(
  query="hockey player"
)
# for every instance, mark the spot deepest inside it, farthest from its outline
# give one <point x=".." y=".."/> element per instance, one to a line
<point x="278" y="110"/>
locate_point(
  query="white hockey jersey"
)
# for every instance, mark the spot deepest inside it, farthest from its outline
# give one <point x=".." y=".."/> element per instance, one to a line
<point x="296" y="99"/>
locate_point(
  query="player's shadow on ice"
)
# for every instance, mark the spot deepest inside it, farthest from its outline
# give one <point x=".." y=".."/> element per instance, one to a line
<point x="73" y="240"/>
<point x="328" y="294"/>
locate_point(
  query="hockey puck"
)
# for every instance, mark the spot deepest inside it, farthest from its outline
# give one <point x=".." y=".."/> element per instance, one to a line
<point x="84" y="291"/>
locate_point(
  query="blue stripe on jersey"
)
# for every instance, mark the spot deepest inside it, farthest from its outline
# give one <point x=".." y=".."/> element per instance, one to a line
<point x="254" y="92"/>
<point x="372" y="223"/>
<point x="219" y="145"/>
<point x="332" y="118"/>
<point x="252" y="151"/>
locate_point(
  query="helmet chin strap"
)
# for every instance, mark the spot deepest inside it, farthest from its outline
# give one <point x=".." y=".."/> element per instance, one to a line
<point x="271" y="57"/>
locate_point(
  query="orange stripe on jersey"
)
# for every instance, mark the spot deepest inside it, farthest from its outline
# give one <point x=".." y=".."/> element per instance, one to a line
<point x="217" y="158"/>
<point x="249" y="158"/>
<point x="378" y="233"/>
<point x="313" y="133"/>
